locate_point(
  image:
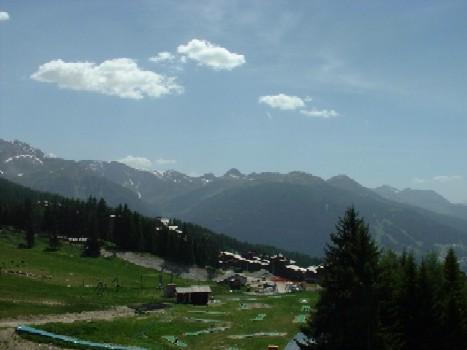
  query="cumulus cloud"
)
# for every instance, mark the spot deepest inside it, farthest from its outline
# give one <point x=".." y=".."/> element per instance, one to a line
<point x="323" y="113"/>
<point x="162" y="161"/>
<point x="210" y="55"/>
<point x="286" y="102"/>
<point x="140" y="163"/>
<point x="282" y="101"/>
<point x="447" y="178"/>
<point x="115" y="77"/>
<point x="162" y="56"/>
<point x="4" y="16"/>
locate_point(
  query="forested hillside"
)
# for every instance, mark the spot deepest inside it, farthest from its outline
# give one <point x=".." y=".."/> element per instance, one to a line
<point x="293" y="211"/>
<point x="52" y="215"/>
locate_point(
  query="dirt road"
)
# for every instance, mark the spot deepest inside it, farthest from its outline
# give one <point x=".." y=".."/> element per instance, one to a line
<point x="10" y="340"/>
<point x="120" y="311"/>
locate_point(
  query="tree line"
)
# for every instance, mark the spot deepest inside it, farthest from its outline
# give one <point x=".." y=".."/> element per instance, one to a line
<point x="95" y="220"/>
<point x="36" y="212"/>
<point x="375" y="299"/>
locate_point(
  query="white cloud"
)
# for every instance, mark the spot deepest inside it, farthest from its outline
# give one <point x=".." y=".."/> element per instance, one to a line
<point x="419" y="180"/>
<point x="115" y="77"/>
<point x="438" y="178"/>
<point x="282" y="101"/>
<point x="140" y="163"/>
<point x="162" y="161"/>
<point x="4" y="16"/>
<point x="162" y="56"/>
<point x="286" y="102"/>
<point x="210" y="55"/>
<point x="447" y="178"/>
<point x="323" y="113"/>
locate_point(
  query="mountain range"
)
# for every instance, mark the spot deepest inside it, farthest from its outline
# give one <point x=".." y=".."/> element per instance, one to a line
<point x="294" y="211"/>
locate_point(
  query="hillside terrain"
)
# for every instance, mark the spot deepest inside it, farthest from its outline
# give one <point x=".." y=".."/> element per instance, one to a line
<point x="37" y="282"/>
<point x="294" y="211"/>
<point x="58" y="292"/>
<point x="426" y="199"/>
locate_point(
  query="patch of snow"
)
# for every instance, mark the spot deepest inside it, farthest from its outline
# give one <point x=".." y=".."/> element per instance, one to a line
<point x="20" y="174"/>
<point x="2" y="172"/>
<point x="158" y="173"/>
<point x="139" y="194"/>
<point x="24" y="156"/>
<point x="96" y="165"/>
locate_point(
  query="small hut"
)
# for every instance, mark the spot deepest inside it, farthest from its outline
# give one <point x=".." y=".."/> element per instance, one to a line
<point x="197" y="295"/>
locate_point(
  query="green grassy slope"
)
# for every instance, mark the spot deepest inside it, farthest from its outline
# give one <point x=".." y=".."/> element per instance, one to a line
<point x="147" y="331"/>
<point x="34" y="281"/>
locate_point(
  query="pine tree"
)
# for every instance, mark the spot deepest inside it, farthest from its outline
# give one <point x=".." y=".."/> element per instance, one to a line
<point x="29" y="218"/>
<point x="92" y="246"/>
<point x="454" y="316"/>
<point x="406" y="323"/>
<point x="103" y="219"/>
<point x="53" y="241"/>
<point x="347" y="315"/>
<point x="388" y="288"/>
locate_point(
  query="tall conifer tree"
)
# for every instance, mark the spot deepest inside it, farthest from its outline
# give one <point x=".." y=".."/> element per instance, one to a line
<point x="346" y="316"/>
<point x="455" y="304"/>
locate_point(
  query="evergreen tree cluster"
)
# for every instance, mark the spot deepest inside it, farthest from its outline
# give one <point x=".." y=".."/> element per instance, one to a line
<point x="96" y="221"/>
<point x="36" y="212"/>
<point x="379" y="300"/>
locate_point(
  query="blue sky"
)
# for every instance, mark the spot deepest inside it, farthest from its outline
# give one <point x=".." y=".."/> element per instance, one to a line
<point x="375" y="90"/>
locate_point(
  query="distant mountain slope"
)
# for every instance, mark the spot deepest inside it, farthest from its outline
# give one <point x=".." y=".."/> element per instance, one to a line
<point x="13" y="196"/>
<point x="30" y="167"/>
<point x="295" y="211"/>
<point x="300" y="217"/>
<point x="426" y="199"/>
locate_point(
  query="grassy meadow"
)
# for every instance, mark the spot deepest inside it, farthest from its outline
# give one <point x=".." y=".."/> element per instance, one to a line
<point x="36" y="281"/>
<point x="147" y="331"/>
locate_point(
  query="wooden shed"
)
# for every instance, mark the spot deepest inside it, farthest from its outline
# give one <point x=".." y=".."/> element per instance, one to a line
<point x="197" y="295"/>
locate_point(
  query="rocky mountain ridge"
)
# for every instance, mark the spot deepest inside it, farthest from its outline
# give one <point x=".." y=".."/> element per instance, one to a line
<point x="295" y="211"/>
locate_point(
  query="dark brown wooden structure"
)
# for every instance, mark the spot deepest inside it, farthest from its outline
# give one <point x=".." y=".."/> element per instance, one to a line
<point x="197" y="295"/>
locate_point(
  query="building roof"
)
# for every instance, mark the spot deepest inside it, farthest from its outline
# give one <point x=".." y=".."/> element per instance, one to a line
<point x="295" y="268"/>
<point x="193" y="289"/>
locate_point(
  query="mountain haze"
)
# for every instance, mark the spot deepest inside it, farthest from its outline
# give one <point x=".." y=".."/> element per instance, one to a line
<point x="426" y="199"/>
<point x="294" y="211"/>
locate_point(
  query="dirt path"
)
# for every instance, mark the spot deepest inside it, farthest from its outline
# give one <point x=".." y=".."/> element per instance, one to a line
<point x="157" y="263"/>
<point x="119" y="311"/>
<point x="10" y="340"/>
